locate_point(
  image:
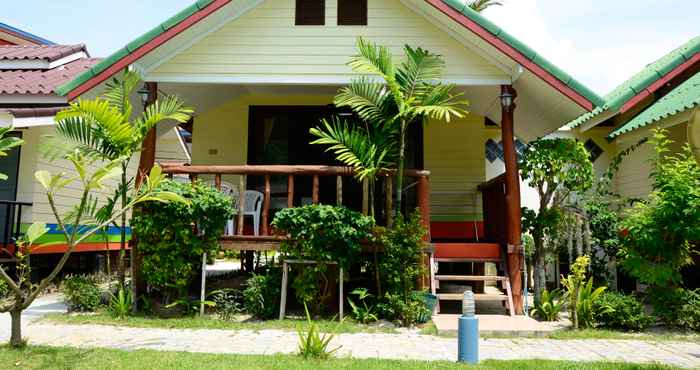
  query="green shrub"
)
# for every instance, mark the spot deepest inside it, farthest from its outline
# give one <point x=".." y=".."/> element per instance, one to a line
<point x="120" y="303"/>
<point x="321" y="233"/>
<point x="405" y="311"/>
<point x="81" y="293"/>
<point x="262" y="294"/>
<point x="581" y="294"/>
<point x="688" y="316"/>
<point x="361" y="311"/>
<point x="619" y="311"/>
<point x="228" y="303"/>
<point x="550" y="305"/>
<point x="171" y="250"/>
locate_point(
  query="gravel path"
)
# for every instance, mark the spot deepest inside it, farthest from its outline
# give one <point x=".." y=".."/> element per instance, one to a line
<point x="393" y="346"/>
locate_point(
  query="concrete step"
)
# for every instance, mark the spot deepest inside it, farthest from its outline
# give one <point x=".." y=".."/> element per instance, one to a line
<point x="478" y="297"/>
<point x="469" y="278"/>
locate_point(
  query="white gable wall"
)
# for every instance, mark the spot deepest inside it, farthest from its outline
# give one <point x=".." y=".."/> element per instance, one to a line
<point x="264" y="46"/>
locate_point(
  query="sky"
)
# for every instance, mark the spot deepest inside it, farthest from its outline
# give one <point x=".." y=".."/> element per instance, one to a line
<point x="599" y="42"/>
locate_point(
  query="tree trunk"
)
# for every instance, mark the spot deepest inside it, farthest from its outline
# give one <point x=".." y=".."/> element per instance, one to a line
<point x="539" y="273"/>
<point x="122" y="236"/>
<point x="16" y="334"/>
<point x="399" y="172"/>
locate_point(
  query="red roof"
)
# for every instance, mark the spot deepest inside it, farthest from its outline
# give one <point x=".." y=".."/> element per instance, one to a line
<point x="42" y="81"/>
<point x="49" y="53"/>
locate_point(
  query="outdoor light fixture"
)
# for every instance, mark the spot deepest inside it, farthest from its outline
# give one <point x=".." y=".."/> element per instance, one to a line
<point x="144" y="94"/>
<point x="507" y="100"/>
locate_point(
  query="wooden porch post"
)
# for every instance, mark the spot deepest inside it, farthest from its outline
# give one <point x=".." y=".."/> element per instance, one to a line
<point x="146" y="162"/>
<point x="513" y="228"/>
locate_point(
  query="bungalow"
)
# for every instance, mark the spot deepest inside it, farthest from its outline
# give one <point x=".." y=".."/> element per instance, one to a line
<point x="31" y="68"/>
<point x="260" y="73"/>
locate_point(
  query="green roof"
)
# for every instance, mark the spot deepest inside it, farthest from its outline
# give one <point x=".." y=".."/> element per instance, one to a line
<point x="640" y="81"/>
<point x="526" y="51"/>
<point x="131" y="47"/>
<point x="684" y="97"/>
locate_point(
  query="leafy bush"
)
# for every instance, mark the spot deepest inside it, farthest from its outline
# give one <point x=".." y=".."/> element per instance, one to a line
<point x="619" y="311"/>
<point x="172" y="251"/>
<point x="262" y="293"/>
<point x="661" y="233"/>
<point x="228" y="303"/>
<point x="362" y="312"/>
<point x="550" y="305"/>
<point x="581" y="294"/>
<point x="406" y="311"/>
<point x="321" y="233"/>
<point x="81" y="293"/>
<point x="120" y="303"/>
<point x="688" y="316"/>
<point x="312" y="344"/>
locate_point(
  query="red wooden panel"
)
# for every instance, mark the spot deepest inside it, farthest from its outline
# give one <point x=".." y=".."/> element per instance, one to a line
<point x="468" y="250"/>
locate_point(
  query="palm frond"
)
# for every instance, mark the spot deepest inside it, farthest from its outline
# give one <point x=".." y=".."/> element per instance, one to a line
<point x="119" y="90"/>
<point x="369" y="100"/>
<point x="437" y="102"/>
<point x="481" y="5"/>
<point x="168" y="108"/>
<point x="419" y="68"/>
<point x="373" y="59"/>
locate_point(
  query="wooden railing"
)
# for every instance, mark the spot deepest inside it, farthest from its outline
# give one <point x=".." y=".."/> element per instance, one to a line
<point x="292" y="172"/>
<point x="493" y="194"/>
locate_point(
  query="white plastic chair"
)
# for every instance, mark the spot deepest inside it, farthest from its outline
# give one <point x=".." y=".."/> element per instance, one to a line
<point x="230" y="190"/>
<point x="253" y="207"/>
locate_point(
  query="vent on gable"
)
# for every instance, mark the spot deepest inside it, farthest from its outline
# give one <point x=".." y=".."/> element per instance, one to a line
<point x="310" y="12"/>
<point x="495" y="150"/>
<point x="352" y="12"/>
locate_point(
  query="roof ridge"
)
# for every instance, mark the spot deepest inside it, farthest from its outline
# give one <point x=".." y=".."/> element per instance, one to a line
<point x="643" y="78"/>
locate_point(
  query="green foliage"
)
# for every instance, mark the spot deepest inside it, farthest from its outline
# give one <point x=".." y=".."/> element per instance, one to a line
<point x="661" y="234"/>
<point x="404" y="310"/>
<point x="678" y="307"/>
<point x="228" y="303"/>
<point x="81" y="293"/>
<point x="321" y="233"/>
<point x="688" y="316"/>
<point x="581" y="295"/>
<point x="120" y="303"/>
<point x="262" y="293"/>
<point x="7" y="143"/>
<point x="362" y="312"/>
<point x="481" y="5"/>
<point x="621" y="312"/>
<point x="171" y="249"/>
<point x="312" y="344"/>
<point x="400" y="265"/>
<point x="550" y="306"/>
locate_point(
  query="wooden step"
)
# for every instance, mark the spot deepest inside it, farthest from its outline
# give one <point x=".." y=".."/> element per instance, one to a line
<point x="469" y="278"/>
<point x="478" y="297"/>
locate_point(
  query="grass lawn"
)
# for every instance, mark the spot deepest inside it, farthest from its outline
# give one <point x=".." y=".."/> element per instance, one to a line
<point x="70" y="358"/>
<point x="209" y="322"/>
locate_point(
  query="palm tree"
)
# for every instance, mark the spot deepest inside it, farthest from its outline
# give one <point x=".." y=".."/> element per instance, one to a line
<point x="409" y="93"/>
<point x="7" y="143"/>
<point x="103" y="128"/>
<point x="481" y="5"/>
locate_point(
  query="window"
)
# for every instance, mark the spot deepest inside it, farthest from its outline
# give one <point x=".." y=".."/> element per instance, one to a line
<point x="352" y="12"/>
<point x="310" y="12"/>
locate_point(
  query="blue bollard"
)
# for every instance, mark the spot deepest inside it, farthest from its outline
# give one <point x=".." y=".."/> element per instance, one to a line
<point x="468" y="332"/>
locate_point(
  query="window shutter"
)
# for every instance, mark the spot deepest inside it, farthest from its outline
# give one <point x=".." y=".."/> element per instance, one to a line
<point x="352" y="12"/>
<point x="310" y="12"/>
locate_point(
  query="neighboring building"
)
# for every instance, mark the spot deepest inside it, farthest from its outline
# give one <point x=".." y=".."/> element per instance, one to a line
<point x="31" y="68"/>
<point x="663" y="94"/>
<point x="260" y="73"/>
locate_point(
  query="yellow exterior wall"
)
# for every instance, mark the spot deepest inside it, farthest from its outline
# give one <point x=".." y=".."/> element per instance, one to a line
<point x="265" y="43"/>
<point x="169" y="147"/>
<point x="632" y="180"/>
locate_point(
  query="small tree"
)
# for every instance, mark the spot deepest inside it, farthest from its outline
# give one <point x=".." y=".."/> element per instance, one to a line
<point x="23" y="290"/>
<point x="104" y="127"/>
<point x="661" y="234"/>
<point x="410" y="93"/>
<point x="556" y="168"/>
